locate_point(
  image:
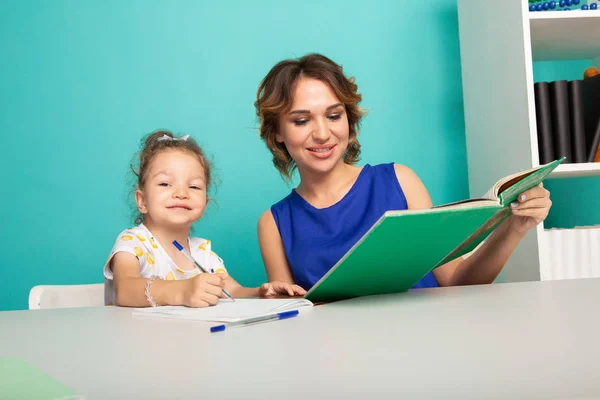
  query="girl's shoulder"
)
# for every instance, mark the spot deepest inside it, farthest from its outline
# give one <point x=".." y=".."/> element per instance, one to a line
<point x="135" y="232"/>
<point x="200" y="243"/>
<point x="202" y="250"/>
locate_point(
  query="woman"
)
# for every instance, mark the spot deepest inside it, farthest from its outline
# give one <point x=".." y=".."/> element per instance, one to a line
<point x="309" y="120"/>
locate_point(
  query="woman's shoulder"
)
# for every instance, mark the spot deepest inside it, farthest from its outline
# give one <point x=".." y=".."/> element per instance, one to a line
<point x="404" y="174"/>
<point x="412" y="186"/>
<point x="289" y="201"/>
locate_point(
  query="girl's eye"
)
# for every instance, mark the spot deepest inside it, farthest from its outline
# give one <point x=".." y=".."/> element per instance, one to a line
<point x="196" y="187"/>
<point x="163" y="184"/>
<point x="334" y="117"/>
<point x="300" y="122"/>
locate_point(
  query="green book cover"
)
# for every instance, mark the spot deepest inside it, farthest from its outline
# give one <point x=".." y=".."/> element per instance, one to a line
<point x="403" y="246"/>
<point x="21" y="380"/>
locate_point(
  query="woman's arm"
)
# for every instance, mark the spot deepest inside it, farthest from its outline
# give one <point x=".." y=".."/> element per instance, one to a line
<point x="484" y="265"/>
<point x="279" y="275"/>
<point x="271" y="250"/>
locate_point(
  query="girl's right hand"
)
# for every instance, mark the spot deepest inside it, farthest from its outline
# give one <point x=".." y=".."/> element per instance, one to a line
<point x="203" y="290"/>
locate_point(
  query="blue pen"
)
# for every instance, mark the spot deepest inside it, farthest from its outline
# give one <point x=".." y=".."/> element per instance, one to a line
<point x="255" y="320"/>
<point x="197" y="264"/>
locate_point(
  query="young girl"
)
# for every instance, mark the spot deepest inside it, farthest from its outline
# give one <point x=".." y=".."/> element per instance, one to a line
<point x="309" y="120"/>
<point x="144" y="267"/>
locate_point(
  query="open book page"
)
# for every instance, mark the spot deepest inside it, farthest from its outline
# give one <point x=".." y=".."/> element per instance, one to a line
<point x="226" y="310"/>
<point x="470" y="203"/>
<point x="457" y="205"/>
<point x="508" y="188"/>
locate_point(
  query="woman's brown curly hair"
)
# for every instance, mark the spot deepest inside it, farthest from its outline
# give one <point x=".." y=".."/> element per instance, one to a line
<point x="275" y="97"/>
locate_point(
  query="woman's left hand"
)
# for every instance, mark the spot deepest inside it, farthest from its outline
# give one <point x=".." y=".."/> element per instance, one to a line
<point x="530" y="208"/>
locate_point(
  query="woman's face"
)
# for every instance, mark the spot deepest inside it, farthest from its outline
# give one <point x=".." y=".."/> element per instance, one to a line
<point x="315" y="130"/>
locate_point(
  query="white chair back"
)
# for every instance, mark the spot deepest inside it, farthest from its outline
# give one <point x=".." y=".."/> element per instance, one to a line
<point x="66" y="296"/>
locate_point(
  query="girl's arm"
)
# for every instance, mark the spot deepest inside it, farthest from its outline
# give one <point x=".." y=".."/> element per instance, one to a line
<point x="486" y="262"/>
<point x="200" y="291"/>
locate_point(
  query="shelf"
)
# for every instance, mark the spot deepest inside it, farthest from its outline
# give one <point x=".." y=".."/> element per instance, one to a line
<point x="565" y="35"/>
<point x="576" y="170"/>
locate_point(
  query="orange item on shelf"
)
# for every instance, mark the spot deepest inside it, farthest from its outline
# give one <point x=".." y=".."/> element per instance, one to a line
<point x="591" y="71"/>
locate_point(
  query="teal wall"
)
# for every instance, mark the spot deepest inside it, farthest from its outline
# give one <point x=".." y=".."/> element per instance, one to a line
<point x="83" y="81"/>
<point x="575" y="201"/>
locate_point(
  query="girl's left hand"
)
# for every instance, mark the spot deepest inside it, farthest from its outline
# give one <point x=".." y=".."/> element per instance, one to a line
<point x="530" y="208"/>
<point x="275" y="288"/>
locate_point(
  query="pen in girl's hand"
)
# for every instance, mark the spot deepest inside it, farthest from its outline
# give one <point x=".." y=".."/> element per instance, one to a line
<point x="197" y="264"/>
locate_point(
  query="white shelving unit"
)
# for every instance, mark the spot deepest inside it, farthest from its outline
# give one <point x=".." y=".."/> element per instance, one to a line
<point x="499" y="41"/>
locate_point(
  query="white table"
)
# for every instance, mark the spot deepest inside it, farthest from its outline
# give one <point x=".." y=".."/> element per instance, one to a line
<point x="509" y="341"/>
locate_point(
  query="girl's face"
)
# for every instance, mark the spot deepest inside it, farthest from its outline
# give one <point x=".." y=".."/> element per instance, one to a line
<point x="174" y="194"/>
<point x="315" y="130"/>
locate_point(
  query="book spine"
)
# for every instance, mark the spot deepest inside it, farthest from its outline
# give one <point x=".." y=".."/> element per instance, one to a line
<point x="559" y="94"/>
<point x="594" y="154"/>
<point x="577" y="121"/>
<point x="591" y="100"/>
<point x="544" y="122"/>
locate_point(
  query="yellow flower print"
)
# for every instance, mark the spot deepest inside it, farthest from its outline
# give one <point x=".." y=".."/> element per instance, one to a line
<point x="170" y="277"/>
<point x="220" y="271"/>
<point x="126" y="238"/>
<point x="180" y="270"/>
<point x="138" y="251"/>
<point x="154" y="245"/>
<point x="150" y="259"/>
<point x="193" y="275"/>
<point x="202" y="247"/>
<point x="142" y="239"/>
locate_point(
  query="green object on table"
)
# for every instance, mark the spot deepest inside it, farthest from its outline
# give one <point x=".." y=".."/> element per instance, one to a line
<point x="21" y="380"/>
<point x="403" y="246"/>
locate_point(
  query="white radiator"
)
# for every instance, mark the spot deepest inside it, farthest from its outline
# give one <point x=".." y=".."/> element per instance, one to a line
<point x="570" y="253"/>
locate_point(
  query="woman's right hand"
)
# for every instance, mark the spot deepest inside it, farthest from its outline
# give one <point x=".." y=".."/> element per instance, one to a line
<point x="202" y="290"/>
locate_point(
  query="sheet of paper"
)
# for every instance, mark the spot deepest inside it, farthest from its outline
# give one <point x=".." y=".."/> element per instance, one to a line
<point x="225" y="310"/>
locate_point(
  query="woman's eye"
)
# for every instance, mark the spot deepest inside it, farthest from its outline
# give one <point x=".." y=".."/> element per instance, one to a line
<point x="300" y="122"/>
<point x="334" y="117"/>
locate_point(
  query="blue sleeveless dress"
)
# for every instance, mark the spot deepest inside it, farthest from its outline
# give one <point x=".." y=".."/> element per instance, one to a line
<point x="315" y="239"/>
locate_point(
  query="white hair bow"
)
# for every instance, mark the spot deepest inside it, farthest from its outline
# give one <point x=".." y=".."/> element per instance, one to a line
<point x="167" y="137"/>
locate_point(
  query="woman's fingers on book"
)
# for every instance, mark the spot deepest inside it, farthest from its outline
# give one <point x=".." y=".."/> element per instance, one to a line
<point x="298" y="290"/>
<point x="532" y="203"/>
<point x="536" y="192"/>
